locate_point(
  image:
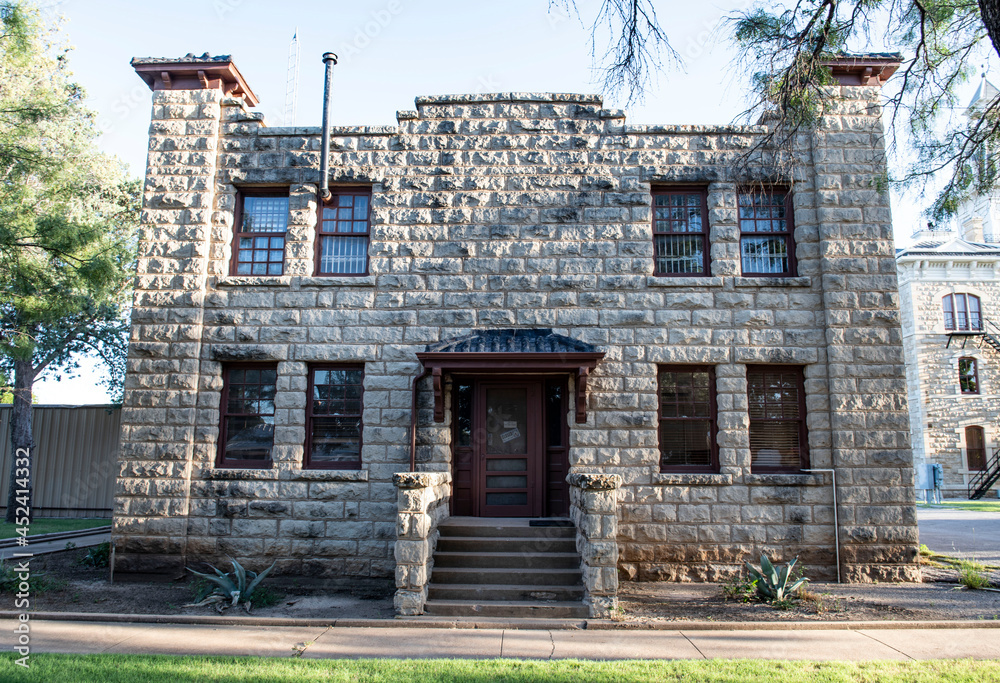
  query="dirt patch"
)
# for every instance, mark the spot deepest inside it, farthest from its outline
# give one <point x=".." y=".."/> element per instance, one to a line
<point x="76" y="588"/>
<point x="939" y="598"/>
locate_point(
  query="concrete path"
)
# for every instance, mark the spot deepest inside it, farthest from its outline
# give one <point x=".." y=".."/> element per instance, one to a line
<point x="55" y="546"/>
<point x="961" y="533"/>
<point x="322" y="642"/>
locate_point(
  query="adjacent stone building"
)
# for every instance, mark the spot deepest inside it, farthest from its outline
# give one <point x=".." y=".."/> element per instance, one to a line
<point x="950" y="300"/>
<point x="541" y="311"/>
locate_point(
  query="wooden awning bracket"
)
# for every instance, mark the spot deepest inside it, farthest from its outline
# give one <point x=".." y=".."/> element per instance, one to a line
<point x="579" y="364"/>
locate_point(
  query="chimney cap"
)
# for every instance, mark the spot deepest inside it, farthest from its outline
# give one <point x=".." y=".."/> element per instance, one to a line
<point x="192" y="72"/>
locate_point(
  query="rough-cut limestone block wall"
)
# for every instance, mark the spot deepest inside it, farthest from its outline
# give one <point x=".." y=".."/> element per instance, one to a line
<point x="932" y="370"/>
<point x="159" y="415"/>
<point x="869" y="419"/>
<point x="493" y="211"/>
<point x="594" y="510"/>
<point x="423" y="503"/>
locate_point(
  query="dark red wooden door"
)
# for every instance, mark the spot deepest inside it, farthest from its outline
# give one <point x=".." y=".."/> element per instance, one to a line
<point x="509" y="449"/>
<point x="975" y="445"/>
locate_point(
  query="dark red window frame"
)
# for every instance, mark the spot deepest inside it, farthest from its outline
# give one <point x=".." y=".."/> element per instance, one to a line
<point x="962" y="312"/>
<point x="713" y="464"/>
<point x="238" y="233"/>
<point x="326" y="221"/>
<point x="975" y="455"/>
<point x="224" y="413"/>
<point x="968" y="381"/>
<point x="774" y="410"/>
<point x="311" y="416"/>
<point x="702" y="193"/>
<point x="788" y="234"/>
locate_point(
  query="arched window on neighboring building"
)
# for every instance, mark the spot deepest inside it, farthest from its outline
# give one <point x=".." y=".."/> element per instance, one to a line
<point x="975" y="448"/>
<point x="968" y="375"/>
<point x="962" y="313"/>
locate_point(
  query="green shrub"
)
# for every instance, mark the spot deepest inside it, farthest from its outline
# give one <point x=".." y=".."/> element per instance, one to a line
<point x="238" y="587"/>
<point x="740" y="588"/>
<point x="970" y="575"/>
<point x="38" y="582"/>
<point x="775" y="585"/>
<point x="97" y="556"/>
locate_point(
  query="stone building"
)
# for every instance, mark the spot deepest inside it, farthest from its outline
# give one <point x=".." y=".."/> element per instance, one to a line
<point x="950" y="302"/>
<point x="512" y="307"/>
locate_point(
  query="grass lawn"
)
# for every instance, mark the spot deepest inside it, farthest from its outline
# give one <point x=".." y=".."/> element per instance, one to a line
<point x="973" y="505"/>
<point x="153" y="669"/>
<point x="49" y="526"/>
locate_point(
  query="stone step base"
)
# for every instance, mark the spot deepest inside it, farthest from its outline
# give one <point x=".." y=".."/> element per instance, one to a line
<point x="504" y="592"/>
<point x="514" y="558"/>
<point x="467" y="608"/>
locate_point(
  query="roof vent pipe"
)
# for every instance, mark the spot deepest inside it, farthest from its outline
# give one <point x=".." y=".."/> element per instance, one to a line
<point x="329" y="59"/>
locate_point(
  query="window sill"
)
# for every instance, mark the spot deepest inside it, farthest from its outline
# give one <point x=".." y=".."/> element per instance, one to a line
<point x="798" y="281"/>
<point x="338" y="281"/>
<point x="253" y="281"/>
<point x="241" y="473"/>
<point x="692" y="479"/>
<point x="686" y="281"/>
<point x="329" y="475"/>
<point x="786" y="479"/>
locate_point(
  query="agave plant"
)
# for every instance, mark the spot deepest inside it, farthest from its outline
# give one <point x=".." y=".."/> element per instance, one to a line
<point x="773" y="582"/>
<point x="231" y="589"/>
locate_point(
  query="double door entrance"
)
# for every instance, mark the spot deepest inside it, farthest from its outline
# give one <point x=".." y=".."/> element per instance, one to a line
<point x="510" y="455"/>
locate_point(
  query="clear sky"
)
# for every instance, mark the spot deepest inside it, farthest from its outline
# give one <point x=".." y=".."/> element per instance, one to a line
<point x="390" y="52"/>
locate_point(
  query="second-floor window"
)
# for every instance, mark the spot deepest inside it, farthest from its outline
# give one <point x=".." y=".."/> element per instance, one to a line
<point x="259" y="239"/>
<point x="342" y="237"/>
<point x="962" y="313"/>
<point x="968" y="375"/>
<point x="766" y="243"/>
<point x="680" y="232"/>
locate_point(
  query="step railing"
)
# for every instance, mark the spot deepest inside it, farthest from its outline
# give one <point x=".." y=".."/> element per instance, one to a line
<point x="985" y="478"/>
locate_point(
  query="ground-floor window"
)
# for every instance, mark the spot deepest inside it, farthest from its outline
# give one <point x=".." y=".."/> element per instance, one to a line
<point x="778" y="439"/>
<point x="687" y="419"/>
<point x="333" y="417"/>
<point x="247" y="428"/>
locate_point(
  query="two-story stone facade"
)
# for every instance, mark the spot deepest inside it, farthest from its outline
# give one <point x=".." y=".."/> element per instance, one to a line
<point x="500" y="291"/>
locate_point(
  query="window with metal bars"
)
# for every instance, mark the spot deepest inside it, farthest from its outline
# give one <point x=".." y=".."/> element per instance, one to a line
<point x="247" y="429"/>
<point x="968" y="375"/>
<point x="687" y="419"/>
<point x="778" y="438"/>
<point x="333" y="417"/>
<point x="767" y="247"/>
<point x="962" y="313"/>
<point x="680" y="232"/>
<point x="343" y="234"/>
<point x="259" y="232"/>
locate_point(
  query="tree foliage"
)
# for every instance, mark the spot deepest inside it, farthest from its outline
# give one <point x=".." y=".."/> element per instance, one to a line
<point x="68" y="217"/>
<point x="68" y="213"/>
<point x="783" y="45"/>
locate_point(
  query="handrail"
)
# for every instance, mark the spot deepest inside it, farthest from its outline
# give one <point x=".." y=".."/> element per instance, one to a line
<point x="987" y="475"/>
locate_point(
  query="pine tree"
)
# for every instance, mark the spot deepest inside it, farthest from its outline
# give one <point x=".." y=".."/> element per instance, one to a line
<point x="68" y="217"/>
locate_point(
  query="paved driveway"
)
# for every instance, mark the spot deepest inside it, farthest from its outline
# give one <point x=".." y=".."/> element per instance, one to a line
<point x="961" y="533"/>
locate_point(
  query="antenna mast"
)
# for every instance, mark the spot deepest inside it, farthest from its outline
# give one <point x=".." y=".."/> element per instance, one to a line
<point x="292" y="82"/>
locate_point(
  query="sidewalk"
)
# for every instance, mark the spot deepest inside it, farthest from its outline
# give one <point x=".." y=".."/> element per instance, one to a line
<point x="325" y="642"/>
<point x="38" y="545"/>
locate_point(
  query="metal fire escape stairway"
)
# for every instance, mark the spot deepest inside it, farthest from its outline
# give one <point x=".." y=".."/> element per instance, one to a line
<point x="981" y="482"/>
<point x="989" y="475"/>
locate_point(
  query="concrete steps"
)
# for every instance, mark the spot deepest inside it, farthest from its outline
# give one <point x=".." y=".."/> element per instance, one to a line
<point x="505" y="568"/>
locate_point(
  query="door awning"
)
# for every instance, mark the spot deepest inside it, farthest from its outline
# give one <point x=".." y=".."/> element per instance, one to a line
<point x="511" y="351"/>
